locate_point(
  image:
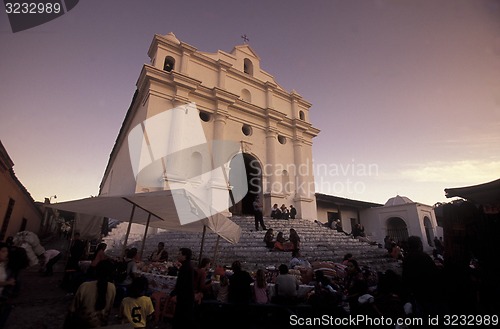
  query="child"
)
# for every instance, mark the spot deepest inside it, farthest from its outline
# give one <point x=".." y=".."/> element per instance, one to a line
<point x="222" y="295"/>
<point x="260" y="290"/>
<point x="137" y="308"/>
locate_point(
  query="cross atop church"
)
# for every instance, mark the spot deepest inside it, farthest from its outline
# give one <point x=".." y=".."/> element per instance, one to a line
<point x="245" y="38"/>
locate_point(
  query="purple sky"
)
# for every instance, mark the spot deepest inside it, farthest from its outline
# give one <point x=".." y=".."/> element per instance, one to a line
<point x="406" y="93"/>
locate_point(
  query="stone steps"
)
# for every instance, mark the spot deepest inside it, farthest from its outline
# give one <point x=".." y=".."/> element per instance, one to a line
<point x="318" y="243"/>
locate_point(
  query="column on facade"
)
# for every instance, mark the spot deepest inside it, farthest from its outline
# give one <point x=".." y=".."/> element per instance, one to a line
<point x="270" y="166"/>
<point x="271" y="135"/>
<point x="173" y="164"/>
<point x="301" y="169"/>
<point x="269" y="94"/>
<point x="187" y="50"/>
<point x="295" y="97"/>
<point x="219" y="184"/>
<point x="220" y="118"/>
<point x="221" y="79"/>
<point x="219" y="125"/>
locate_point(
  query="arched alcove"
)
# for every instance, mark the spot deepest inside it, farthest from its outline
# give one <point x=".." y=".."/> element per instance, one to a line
<point x="195" y="167"/>
<point x="248" y="66"/>
<point x="246" y="96"/>
<point x="397" y="229"/>
<point x="169" y="64"/>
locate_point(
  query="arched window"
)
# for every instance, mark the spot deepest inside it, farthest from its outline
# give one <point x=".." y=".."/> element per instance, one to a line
<point x="302" y="116"/>
<point x="248" y="66"/>
<point x="282" y="139"/>
<point x="246" y="96"/>
<point x="169" y="64"/>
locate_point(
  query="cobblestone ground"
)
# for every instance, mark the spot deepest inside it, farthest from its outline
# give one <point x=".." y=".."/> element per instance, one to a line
<point x="41" y="302"/>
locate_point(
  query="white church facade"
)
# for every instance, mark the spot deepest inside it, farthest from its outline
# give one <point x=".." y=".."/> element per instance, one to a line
<point x="238" y="102"/>
<point x="235" y="101"/>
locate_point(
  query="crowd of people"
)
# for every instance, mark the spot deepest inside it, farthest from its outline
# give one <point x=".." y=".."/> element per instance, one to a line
<point x="335" y="288"/>
<point x="344" y="292"/>
<point x="116" y="283"/>
<point x="283" y="212"/>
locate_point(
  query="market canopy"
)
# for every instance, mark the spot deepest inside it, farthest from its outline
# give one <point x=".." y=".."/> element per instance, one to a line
<point x="484" y="194"/>
<point x="156" y="209"/>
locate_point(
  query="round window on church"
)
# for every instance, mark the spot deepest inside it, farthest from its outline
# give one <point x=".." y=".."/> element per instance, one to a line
<point x="247" y="130"/>
<point x="282" y="139"/>
<point x="205" y="116"/>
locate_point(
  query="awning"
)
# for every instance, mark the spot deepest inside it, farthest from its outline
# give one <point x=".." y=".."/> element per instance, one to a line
<point x="485" y="194"/>
<point x="160" y="207"/>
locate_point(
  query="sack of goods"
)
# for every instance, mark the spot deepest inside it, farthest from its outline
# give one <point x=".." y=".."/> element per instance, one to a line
<point x="31" y="243"/>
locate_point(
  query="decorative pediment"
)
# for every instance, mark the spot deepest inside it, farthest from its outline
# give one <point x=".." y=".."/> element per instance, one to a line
<point x="246" y="49"/>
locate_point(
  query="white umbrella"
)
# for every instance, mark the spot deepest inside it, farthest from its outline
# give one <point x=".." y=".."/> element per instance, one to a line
<point x="159" y="209"/>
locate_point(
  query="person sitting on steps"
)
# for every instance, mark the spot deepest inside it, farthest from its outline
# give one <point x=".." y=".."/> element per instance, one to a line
<point x="338" y="227"/>
<point x="269" y="239"/>
<point x="285" y="214"/>
<point x="275" y="212"/>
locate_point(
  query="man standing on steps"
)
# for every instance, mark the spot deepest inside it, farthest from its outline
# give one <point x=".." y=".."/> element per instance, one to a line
<point x="259" y="217"/>
<point x="293" y="212"/>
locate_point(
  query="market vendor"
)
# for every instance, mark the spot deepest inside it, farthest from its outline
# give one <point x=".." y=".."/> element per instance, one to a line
<point x="160" y="254"/>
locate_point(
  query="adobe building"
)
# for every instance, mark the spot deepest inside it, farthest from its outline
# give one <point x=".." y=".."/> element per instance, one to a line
<point x="348" y="211"/>
<point x="234" y="100"/>
<point x="18" y="211"/>
<point x="400" y="218"/>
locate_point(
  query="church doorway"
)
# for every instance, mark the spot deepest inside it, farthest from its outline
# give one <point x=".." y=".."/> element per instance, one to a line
<point x="397" y="229"/>
<point x="242" y="203"/>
